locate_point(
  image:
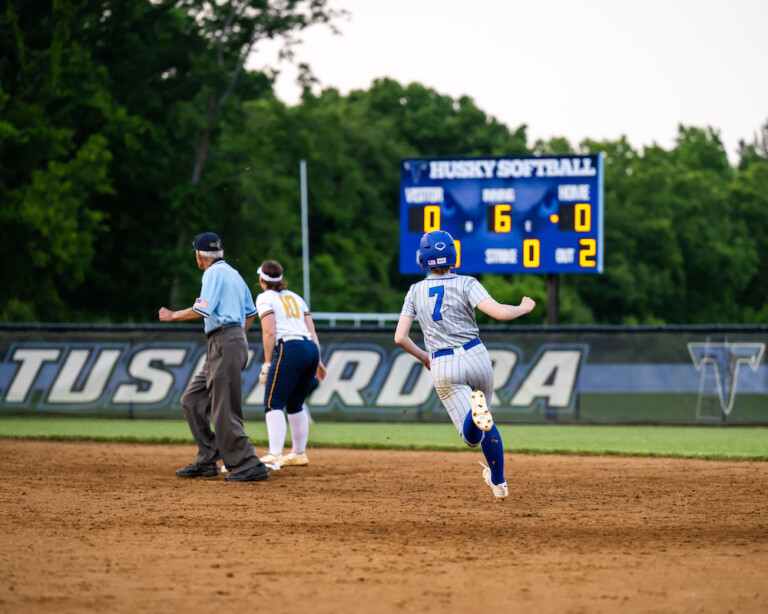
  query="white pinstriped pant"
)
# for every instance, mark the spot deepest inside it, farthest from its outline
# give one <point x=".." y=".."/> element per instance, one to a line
<point x="457" y="375"/>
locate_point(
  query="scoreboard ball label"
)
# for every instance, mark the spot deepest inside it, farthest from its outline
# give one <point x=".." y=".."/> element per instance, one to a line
<point x="507" y="215"/>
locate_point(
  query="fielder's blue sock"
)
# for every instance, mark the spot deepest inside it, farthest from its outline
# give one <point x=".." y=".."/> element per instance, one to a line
<point x="472" y="434"/>
<point x="494" y="454"/>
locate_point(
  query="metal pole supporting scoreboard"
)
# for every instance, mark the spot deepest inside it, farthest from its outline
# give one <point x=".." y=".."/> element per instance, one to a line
<point x="304" y="232"/>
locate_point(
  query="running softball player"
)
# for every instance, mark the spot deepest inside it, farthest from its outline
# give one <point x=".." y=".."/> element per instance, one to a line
<point x="461" y="367"/>
<point x="292" y="365"/>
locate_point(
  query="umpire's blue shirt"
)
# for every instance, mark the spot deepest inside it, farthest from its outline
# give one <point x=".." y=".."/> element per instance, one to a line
<point x="224" y="297"/>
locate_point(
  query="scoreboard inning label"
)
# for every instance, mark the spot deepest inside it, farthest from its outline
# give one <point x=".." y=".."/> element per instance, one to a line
<point x="507" y="215"/>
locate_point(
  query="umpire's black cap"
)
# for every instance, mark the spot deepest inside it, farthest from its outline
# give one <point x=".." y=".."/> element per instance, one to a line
<point x="207" y="242"/>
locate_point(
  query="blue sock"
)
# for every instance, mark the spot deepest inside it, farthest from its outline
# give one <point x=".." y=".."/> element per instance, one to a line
<point x="472" y="434"/>
<point x="494" y="454"/>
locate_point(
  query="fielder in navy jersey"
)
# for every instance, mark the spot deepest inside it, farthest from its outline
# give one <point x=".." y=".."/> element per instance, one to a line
<point x="292" y="367"/>
<point x="461" y="368"/>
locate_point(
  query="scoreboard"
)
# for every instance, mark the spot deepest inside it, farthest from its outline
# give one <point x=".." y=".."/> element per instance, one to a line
<point x="507" y="215"/>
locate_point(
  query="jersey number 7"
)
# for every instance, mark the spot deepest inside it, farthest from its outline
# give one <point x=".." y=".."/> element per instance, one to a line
<point x="437" y="291"/>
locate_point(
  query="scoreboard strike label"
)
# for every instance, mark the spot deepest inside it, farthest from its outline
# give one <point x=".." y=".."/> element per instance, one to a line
<point x="507" y="215"/>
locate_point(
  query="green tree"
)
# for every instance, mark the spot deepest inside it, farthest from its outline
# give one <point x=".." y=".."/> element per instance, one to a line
<point x="554" y="147"/>
<point x="674" y="250"/>
<point x="633" y="216"/>
<point x="720" y="256"/>
<point x="434" y="124"/>
<point x="748" y="199"/>
<point x="755" y="151"/>
<point x="232" y="31"/>
<point x="353" y="146"/>
<point x="138" y="88"/>
<point x="126" y="126"/>
<point x="352" y="170"/>
<point x="54" y="156"/>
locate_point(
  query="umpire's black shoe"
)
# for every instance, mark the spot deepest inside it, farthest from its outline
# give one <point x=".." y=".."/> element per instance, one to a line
<point x="199" y="470"/>
<point x="254" y="474"/>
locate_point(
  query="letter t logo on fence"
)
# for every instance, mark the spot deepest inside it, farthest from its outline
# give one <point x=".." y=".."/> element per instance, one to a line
<point x="726" y="358"/>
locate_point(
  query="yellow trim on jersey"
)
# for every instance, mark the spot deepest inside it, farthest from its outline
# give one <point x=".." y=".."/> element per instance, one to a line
<point x="266" y="313"/>
<point x="274" y="379"/>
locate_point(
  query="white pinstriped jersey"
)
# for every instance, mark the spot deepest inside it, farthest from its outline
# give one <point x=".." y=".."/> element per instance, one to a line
<point x="289" y="309"/>
<point x="445" y="306"/>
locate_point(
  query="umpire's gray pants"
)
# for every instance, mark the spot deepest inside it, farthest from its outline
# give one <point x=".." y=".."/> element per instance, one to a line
<point x="214" y="396"/>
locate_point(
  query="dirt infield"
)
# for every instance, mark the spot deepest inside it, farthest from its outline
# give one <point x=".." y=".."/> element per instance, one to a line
<point x="91" y="527"/>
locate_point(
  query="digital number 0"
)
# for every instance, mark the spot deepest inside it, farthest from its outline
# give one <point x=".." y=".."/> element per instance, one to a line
<point x="531" y="253"/>
<point x="431" y="218"/>
<point x="583" y="217"/>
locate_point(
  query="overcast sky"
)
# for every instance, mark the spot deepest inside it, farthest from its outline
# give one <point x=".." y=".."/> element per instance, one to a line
<point x="579" y="69"/>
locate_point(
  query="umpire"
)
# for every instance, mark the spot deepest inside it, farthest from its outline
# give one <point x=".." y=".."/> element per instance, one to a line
<point x="215" y="394"/>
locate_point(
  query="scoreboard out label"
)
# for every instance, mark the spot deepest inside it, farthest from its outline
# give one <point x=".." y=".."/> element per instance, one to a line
<point x="507" y="215"/>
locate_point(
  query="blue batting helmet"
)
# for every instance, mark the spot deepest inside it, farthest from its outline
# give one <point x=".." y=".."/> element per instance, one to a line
<point x="436" y="249"/>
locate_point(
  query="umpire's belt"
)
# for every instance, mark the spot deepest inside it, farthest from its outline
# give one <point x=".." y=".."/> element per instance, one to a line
<point x="216" y="331"/>
<point x="467" y="346"/>
<point x="285" y="338"/>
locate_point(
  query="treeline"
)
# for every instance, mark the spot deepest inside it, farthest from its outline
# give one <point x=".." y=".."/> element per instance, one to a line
<point x="128" y="127"/>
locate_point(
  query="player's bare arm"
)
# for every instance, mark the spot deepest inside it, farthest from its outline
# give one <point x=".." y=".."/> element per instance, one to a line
<point x="166" y="315"/>
<point x="268" y="336"/>
<point x="500" y="311"/>
<point x="404" y="341"/>
<point x="321" y="371"/>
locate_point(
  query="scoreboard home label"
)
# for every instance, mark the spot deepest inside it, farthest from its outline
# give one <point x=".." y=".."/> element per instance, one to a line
<point x="508" y="215"/>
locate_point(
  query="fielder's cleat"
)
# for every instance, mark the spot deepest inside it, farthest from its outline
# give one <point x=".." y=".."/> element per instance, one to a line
<point x="224" y="468"/>
<point x="480" y="414"/>
<point x="295" y="460"/>
<point x="272" y="458"/>
<point x="500" y="491"/>
<point x="199" y="470"/>
<point x="254" y="474"/>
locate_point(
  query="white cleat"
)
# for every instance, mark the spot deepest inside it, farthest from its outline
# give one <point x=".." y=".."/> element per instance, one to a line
<point x="480" y="414"/>
<point x="224" y="468"/>
<point x="500" y="491"/>
<point x="295" y="460"/>
<point x="272" y="458"/>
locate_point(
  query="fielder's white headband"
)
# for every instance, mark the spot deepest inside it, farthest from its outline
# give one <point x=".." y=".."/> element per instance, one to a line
<point x="266" y="277"/>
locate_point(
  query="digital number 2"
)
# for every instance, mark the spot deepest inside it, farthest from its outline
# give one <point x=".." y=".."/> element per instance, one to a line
<point x="437" y="291"/>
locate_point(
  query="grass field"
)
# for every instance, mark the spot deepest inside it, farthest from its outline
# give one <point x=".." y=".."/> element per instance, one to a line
<point x="714" y="443"/>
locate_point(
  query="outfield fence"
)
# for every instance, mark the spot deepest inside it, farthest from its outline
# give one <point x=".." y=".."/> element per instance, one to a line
<point x="697" y="375"/>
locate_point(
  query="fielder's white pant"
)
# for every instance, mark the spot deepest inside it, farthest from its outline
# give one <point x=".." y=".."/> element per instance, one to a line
<point x="457" y="375"/>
